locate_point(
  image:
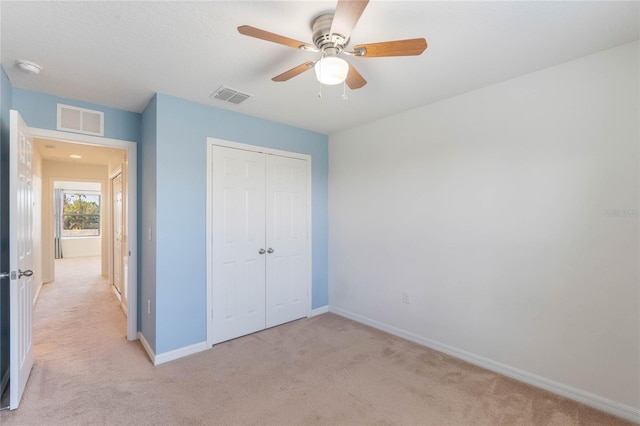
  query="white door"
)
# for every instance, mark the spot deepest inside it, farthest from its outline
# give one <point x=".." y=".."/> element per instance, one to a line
<point x="287" y="271"/>
<point x="21" y="257"/>
<point x="118" y="231"/>
<point x="238" y="256"/>
<point x="260" y="260"/>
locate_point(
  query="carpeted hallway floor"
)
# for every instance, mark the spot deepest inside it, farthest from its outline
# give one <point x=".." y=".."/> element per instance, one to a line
<point x="322" y="370"/>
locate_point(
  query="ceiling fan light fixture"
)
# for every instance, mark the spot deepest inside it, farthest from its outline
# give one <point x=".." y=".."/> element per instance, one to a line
<point x="331" y="36"/>
<point x="331" y="70"/>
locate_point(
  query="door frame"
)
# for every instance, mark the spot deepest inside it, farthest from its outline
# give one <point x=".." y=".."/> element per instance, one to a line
<point x="211" y="142"/>
<point x="132" y="208"/>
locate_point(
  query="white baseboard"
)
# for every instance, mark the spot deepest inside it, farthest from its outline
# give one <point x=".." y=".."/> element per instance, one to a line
<point x="595" y="401"/>
<point x="147" y="347"/>
<point x="318" y="311"/>
<point x="35" y="298"/>
<point x="171" y="355"/>
<point x="179" y="353"/>
<point x="116" y="292"/>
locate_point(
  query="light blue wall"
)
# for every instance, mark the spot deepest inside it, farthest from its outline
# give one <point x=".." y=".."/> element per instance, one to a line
<point x="5" y="105"/>
<point x="172" y="134"/>
<point x="182" y="130"/>
<point x="146" y="220"/>
<point x="40" y="110"/>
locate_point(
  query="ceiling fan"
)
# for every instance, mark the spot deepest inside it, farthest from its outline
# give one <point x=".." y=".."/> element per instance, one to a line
<point x="331" y="36"/>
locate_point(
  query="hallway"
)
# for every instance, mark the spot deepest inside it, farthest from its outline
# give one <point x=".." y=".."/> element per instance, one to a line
<point x="79" y="338"/>
<point x="79" y="309"/>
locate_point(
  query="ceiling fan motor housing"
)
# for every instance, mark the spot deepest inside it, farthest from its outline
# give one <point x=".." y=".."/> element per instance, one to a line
<point x="329" y="44"/>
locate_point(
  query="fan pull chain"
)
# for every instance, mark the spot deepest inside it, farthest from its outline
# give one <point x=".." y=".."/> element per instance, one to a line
<point x="344" y="91"/>
<point x="320" y="84"/>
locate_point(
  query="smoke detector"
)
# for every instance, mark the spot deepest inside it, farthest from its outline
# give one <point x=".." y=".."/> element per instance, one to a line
<point x="28" y="66"/>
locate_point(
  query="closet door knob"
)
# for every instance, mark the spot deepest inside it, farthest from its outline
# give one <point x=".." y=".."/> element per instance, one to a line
<point x="270" y="250"/>
<point x="261" y="251"/>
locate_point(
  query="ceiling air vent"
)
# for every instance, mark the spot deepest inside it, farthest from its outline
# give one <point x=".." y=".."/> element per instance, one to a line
<point x="228" y="94"/>
<point x="80" y="120"/>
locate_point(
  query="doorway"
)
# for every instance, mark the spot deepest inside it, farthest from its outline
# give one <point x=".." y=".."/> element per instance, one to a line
<point x="29" y="185"/>
<point x="83" y="224"/>
<point x="75" y="204"/>
<point x="107" y="159"/>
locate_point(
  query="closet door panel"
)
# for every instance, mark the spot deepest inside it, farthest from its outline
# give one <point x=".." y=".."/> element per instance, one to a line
<point x="238" y="235"/>
<point x="287" y="268"/>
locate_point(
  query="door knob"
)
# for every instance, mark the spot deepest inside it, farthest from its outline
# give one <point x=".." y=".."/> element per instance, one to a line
<point x="26" y="273"/>
<point x="261" y="251"/>
<point x="270" y="250"/>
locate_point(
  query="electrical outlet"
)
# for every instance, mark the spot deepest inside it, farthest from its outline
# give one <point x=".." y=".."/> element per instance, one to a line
<point x="149" y="307"/>
<point x="405" y="296"/>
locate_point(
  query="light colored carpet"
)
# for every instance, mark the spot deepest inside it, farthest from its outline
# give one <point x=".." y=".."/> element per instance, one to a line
<point x="323" y="370"/>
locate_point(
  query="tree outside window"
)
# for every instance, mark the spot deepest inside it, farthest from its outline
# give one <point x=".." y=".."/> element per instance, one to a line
<point x="81" y="214"/>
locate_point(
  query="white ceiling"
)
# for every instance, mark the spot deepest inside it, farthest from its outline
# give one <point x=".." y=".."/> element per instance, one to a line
<point x="55" y="150"/>
<point x="120" y="53"/>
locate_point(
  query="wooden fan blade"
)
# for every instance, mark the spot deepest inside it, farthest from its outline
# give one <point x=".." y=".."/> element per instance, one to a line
<point x="346" y="16"/>
<point x="411" y="47"/>
<point x="294" y="71"/>
<point x="354" y="79"/>
<point x="272" y="37"/>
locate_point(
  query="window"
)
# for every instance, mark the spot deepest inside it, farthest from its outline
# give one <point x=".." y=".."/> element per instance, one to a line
<point x="81" y="214"/>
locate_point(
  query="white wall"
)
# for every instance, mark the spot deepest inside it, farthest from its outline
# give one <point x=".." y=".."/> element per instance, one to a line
<point x="491" y="210"/>
<point x="81" y="247"/>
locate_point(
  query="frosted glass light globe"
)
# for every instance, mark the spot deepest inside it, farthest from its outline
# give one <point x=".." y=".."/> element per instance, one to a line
<point x="331" y="70"/>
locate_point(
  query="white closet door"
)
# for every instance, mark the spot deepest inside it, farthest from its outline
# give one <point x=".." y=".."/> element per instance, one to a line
<point x="238" y="221"/>
<point x="287" y="240"/>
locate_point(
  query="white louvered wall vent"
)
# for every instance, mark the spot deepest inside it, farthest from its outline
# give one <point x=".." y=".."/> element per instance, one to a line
<point x="81" y="120"/>
<point x="228" y="94"/>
